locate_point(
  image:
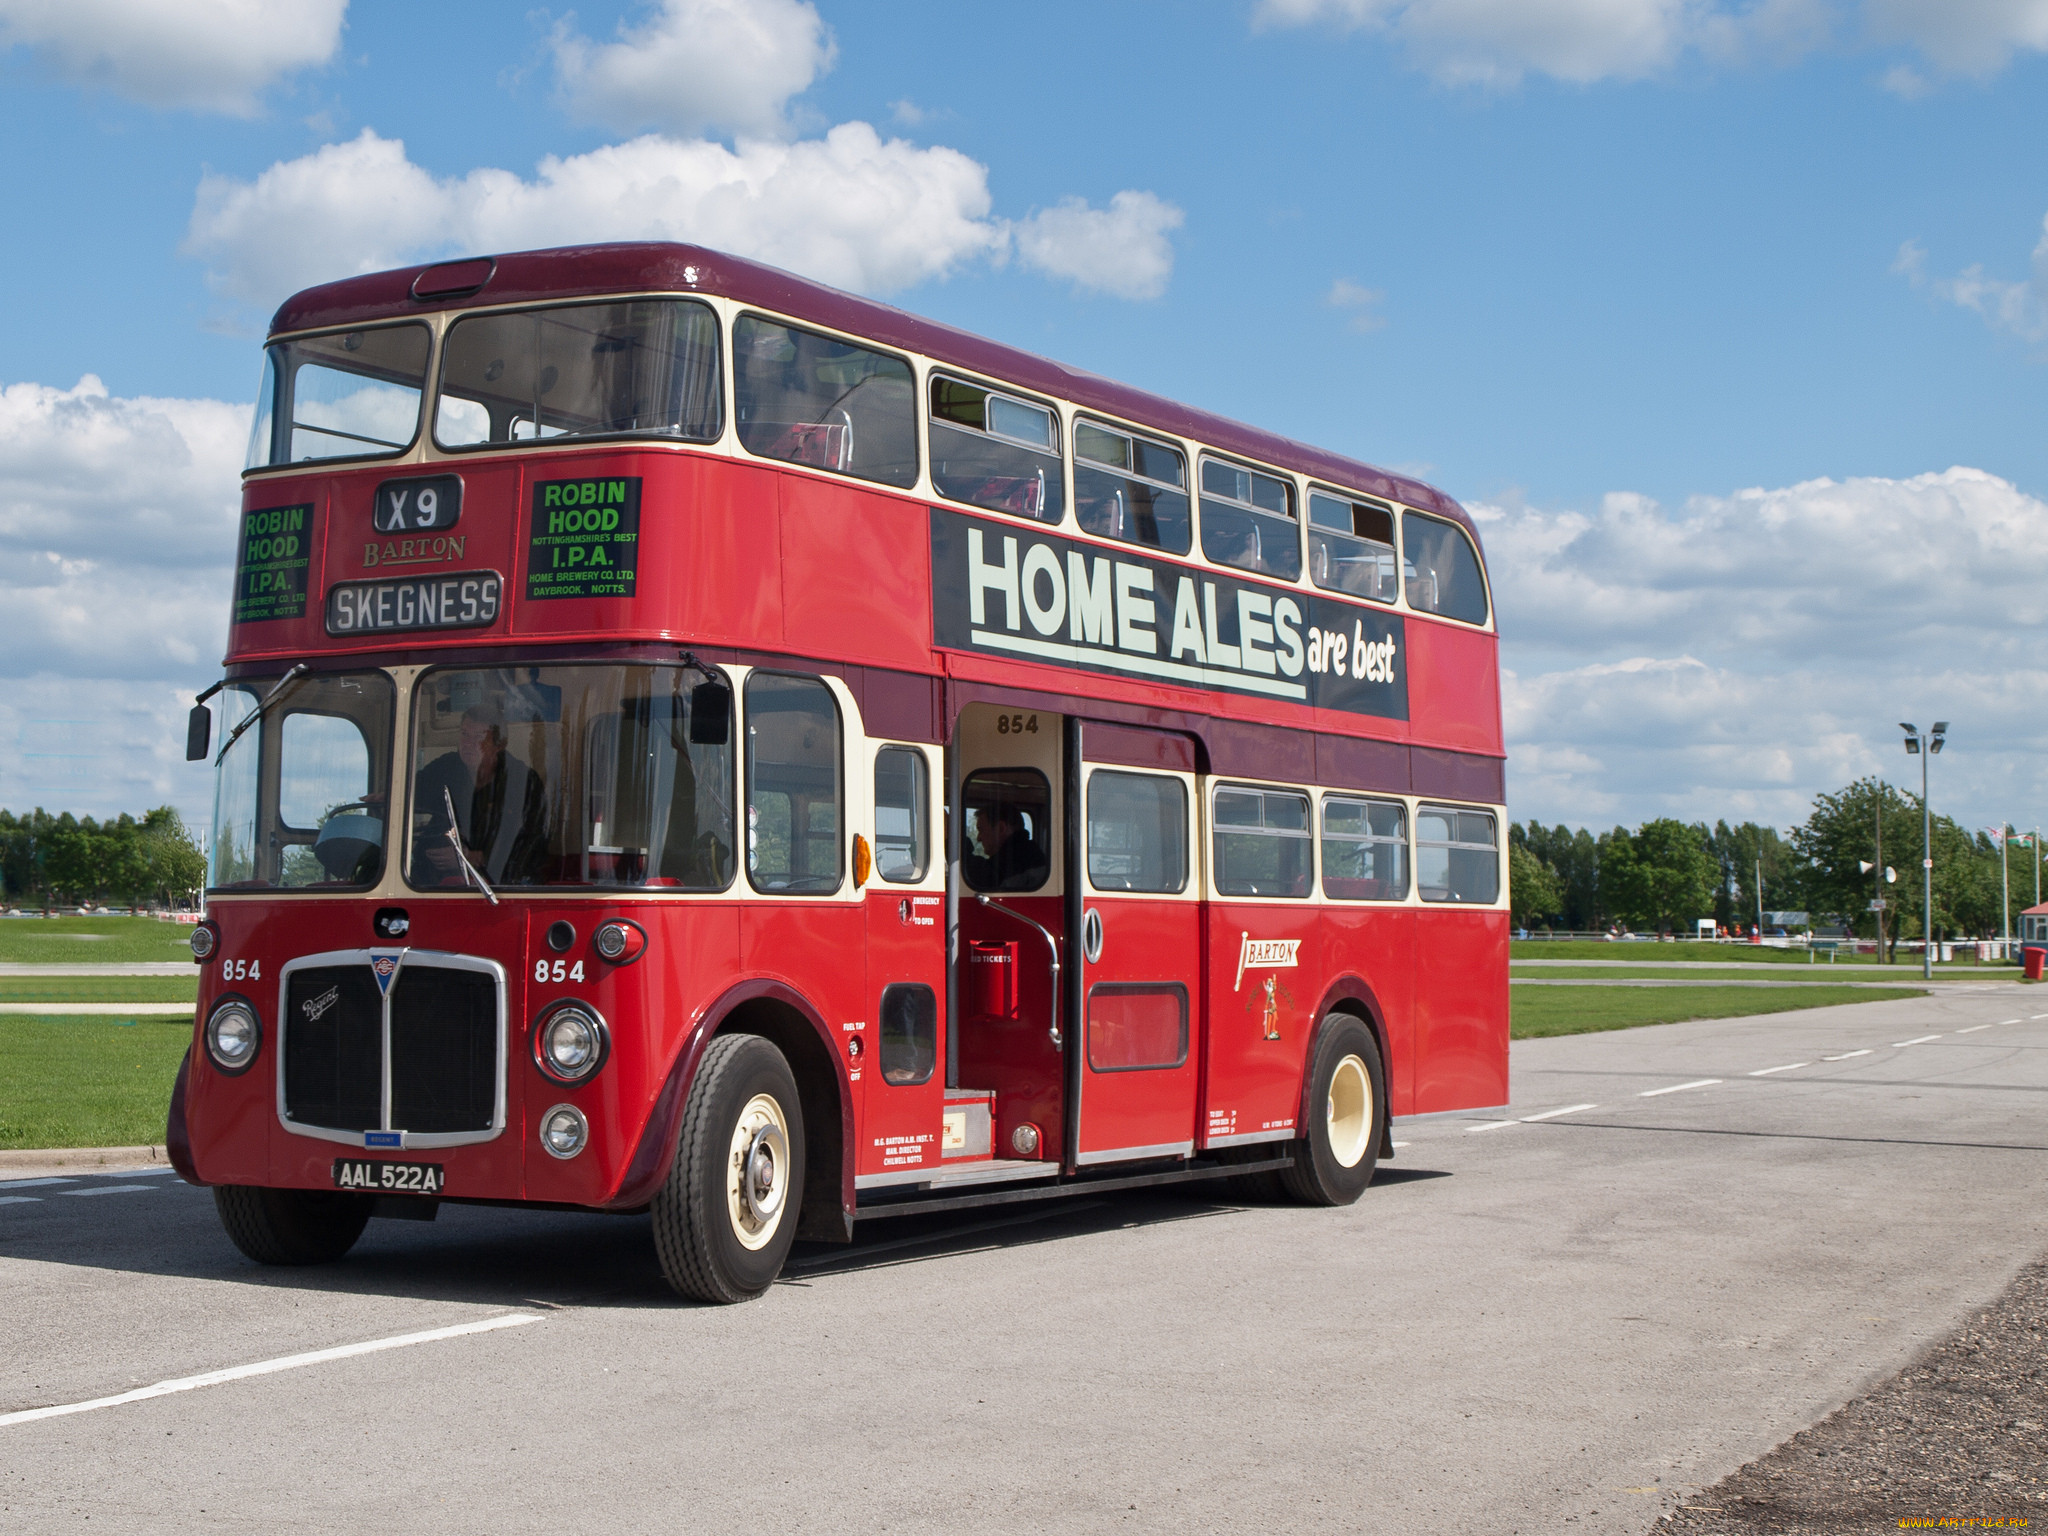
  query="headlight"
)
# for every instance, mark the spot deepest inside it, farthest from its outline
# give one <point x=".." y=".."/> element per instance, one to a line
<point x="233" y="1036"/>
<point x="570" y="1043"/>
<point x="203" y="939"/>
<point x="563" y="1131"/>
<point x="619" y="941"/>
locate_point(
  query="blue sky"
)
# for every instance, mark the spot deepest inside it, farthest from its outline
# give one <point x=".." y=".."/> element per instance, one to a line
<point x="1725" y="318"/>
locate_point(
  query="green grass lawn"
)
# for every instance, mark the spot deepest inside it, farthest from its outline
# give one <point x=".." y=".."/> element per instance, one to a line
<point x="87" y="1082"/>
<point x="1815" y="975"/>
<point x="99" y="989"/>
<point x="1539" y="1011"/>
<point x="1650" y="952"/>
<point x="91" y="940"/>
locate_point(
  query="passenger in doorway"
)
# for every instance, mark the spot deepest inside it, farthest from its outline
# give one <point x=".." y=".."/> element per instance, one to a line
<point x="1006" y="857"/>
<point x="500" y="807"/>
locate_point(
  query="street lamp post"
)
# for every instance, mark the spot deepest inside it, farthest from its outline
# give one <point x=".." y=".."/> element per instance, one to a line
<point x="1935" y="738"/>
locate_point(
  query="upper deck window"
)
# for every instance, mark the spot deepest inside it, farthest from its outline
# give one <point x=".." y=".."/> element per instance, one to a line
<point x="345" y="395"/>
<point x="1249" y="520"/>
<point x="1351" y="547"/>
<point x="1131" y="488"/>
<point x="643" y="366"/>
<point x="996" y="451"/>
<point x="811" y="399"/>
<point x="1443" y="570"/>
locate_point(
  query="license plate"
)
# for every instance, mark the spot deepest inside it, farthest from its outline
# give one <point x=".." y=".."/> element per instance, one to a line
<point x="389" y="1178"/>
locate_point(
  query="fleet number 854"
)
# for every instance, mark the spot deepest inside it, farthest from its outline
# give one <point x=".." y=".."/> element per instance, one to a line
<point x="557" y="970"/>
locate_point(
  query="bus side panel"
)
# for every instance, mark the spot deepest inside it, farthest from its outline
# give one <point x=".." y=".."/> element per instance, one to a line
<point x="1377" y="944"/>
<point x="855" y="567"/>
<point x="906" y="944"/>
<point x="1258" y="1020"/>
<point x="1453" y="687"/>
<point x="815" y="949"/>
<point x="649" y="1006"/>
<point x="1461" y="1009"/>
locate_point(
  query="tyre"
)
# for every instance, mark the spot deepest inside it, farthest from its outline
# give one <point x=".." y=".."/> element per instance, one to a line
<point x="727" y="1213"/>
<point x="1347" y="1110"/>
<point x="291" y="1226"/>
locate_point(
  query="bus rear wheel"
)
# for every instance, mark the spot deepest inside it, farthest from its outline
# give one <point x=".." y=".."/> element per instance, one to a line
<point x="727" y="1213"/>
<point x="1347" y="1109"/>
<point x="291" y="1226"/>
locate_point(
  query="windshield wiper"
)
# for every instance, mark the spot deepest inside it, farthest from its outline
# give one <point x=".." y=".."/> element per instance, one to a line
<point x="455" y="841"/>
<point x="258" y="712"/>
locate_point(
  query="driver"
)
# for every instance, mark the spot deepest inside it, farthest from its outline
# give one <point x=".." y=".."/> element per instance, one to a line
<point x="500" y="808"/>
<point x="1006" y="858"/>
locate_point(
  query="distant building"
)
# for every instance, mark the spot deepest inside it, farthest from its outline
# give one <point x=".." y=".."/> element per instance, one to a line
<point x="1789" y="921"/>
<point x="2034" y="925"/>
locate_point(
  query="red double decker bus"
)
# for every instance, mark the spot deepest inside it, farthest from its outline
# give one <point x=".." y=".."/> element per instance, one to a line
<point x="693" y="740"/>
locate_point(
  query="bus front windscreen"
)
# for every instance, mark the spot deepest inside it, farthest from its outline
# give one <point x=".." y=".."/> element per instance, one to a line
<point x="301" y="792"/>
<point x="344" y="395"/>
<point x="580" y="775"/>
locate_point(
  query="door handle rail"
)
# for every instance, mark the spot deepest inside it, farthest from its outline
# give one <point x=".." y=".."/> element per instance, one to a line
<point x="1053" y="945"/>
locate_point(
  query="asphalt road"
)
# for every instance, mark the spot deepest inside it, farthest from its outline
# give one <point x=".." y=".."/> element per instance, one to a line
<point x="1525" y="1325"/>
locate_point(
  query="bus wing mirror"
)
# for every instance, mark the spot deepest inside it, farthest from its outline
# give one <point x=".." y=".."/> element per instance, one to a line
<point x="710" y="715"/>
<point x="198" y="733"/>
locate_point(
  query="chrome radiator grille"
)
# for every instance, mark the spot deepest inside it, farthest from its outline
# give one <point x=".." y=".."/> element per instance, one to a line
<point x="394" y="1048"/>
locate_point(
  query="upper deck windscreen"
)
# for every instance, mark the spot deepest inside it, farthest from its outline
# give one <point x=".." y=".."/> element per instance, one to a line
<point x="648" y="367"/>
<point x="346" y="395"/>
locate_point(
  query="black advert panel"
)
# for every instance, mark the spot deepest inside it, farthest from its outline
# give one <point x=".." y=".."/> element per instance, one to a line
<point x="275" y="557"/>
<point x="1001" y="590"/>
<point x="585" y="539"/>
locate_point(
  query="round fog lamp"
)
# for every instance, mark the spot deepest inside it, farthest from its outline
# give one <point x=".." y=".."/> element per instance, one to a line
<point x="202" y="942"/>
<point x="570" y="1044"/>
<point x="619" y="942"/>
<point x="232" y="1036"/>
<point x="564" y="1131"/>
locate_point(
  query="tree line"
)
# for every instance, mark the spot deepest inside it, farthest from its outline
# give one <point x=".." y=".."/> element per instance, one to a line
<point x="65" y="860"/>
<point x="1666" y="874"/>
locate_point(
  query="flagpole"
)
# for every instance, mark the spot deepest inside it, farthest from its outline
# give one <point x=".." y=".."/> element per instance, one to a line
<point x="2005" y="887"/>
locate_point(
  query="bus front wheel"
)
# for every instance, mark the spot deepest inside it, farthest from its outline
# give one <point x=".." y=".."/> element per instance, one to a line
<point x="1347" y="1108"/>
<point x="291" y="1226"/>
<point x="727" y="1213"/>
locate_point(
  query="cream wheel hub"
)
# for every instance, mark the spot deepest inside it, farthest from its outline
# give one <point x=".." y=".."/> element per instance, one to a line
<point x="757" y="1171"/>
<point x="1350" y="1112"/>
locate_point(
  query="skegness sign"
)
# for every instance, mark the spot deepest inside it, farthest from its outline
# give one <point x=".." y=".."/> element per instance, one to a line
<point x="998" y="589"/>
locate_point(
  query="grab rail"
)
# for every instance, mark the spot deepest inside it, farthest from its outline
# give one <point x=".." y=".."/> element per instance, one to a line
<point x="1051" y="943"/>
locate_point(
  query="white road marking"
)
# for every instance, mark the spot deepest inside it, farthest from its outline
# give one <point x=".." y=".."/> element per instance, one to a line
<point x="1491" y="1125"/>
<point x="268" y="1367"/>
<point x="1845" y="1056"/>
<point x="1552" y="1114"/>
<point x="146" y="1173"/>
<point x="1972" y="1029"/>
<point x="33" y="1183"/>
<point x="21" y="1199"/>
<point x="1399" y="1144"/>
<point x="2038" y="1016"/>
<point x="1899" y="1045"/>
<point x="1705" y="1082"/>
<point x="110" y="1189"/>
<point x="1792" y="1066"/>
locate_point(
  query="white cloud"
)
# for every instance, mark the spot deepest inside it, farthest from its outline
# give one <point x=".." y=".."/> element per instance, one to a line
<point x="723" y="66"/>
<point x="2019" y="308"/>
<point x="205" y="55"/>
<point x="1962" y="37"/>
<point x="1498" y="42"/>
<point x="1122" y="249"/>
<point x="1360" y="305"/>
<point x="850" y="208"/>
<point x="1742" y="654"/>
<point x="117" y="519"/>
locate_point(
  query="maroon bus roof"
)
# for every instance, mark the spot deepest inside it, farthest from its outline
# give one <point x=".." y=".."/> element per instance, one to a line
<point x="629" y="267"/>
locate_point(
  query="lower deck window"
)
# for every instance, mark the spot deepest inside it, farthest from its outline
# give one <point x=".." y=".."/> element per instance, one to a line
<point x="1456" y="855"/>
<point x="794" y="795"/>
<point x="1137" y="832"/>
<point x="1365" y="849"/>
<point x="1007" y="836"/>
<point x="1263" y="846"/>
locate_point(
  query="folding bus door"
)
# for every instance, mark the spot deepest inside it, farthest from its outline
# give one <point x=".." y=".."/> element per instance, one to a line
<point x="1140" y="952"/>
